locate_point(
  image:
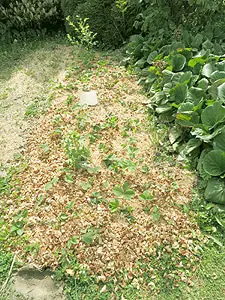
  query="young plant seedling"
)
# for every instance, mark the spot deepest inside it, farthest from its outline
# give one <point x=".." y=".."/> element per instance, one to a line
<point x="114" y="205"/>
<point x="85" y="185"/>
<point x="72" y="241"/>
<point x="124" y="191"/>
<point x="147" y="196"/>
<point x="89" y="236"/>
<point x="156" y="213"/>
<point x="69" y="178"/>
<point x="50" y="184"/>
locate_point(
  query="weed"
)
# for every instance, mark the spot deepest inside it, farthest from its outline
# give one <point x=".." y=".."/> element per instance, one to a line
<point x="156" y="213"/>
<point x="127" y="212"/>
<point x="45" y="147"/>
<point x="96" y="198"/>
<point x="116" y="164"/>
<point x="72" y="241"/>
<point x="63" y="217"/>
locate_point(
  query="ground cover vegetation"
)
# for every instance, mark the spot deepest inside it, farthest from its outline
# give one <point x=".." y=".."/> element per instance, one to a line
<point x="99" y="195"/>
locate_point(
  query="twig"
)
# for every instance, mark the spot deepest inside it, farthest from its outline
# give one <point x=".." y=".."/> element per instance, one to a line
<point x="10" y="272"/>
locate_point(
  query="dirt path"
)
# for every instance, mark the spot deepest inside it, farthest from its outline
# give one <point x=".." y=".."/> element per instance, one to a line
<point x="26" y="90"/>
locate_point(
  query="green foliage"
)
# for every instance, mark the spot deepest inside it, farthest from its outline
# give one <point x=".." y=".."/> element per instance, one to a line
<point x="76" y="150"/>
<point x="83" y="35"/>
<point x="22" y="15"/>
<point x="147" y="196"/>
<point x="187" y="90"/>
<point x="114" y="205"/>
<point x="89" y="236"/>
<point x="124" y="191"/>
<point x="194" y="22"/>
<point x="112" y="21"/>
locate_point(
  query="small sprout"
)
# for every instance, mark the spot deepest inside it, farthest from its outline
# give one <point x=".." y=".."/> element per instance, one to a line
<point x="45" y="147"/>
<point x="72" y="241"/>
<point x="145" y="169"/>
<point x="156" y="213"/>
<point x="96" y="198"/>
<point x="50" y="184"/>
<point x="69" y="178"/>
<point x="93" y="170"/>
<point x="114" y="205"/>
<point x="123" y="191"/>
<point x="89" y="236"/>
<point x="86" y="186"/>
<point x="69" y="100"/>
<point x="147" y="196"/>
<point x="63" y="217"/>
<point x="70" y="205"/>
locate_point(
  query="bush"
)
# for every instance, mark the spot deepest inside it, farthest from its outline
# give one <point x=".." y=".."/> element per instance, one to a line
<point x="162" y="22"/>
<point x="187" y="90"/>
<point x="111" y="21"/>
<point x="18" y="16"/>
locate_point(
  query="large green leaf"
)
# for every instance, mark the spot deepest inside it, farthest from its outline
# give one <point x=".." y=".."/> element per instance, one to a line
<point x="167" y="76"/>
<point x="208" y="69"/>
<point x="196" y="61"/>
<point x="180" y="93"/>
<point x="178" y="62"/>
<point x="186" y="116"/>
<point x="213" y="115"/>
<point x="203" y="84"/>
<point x="215" y="191"/>
<point x="204" y="135"/>
<point x="214" y="163"/>
<point x="163" y="109"/>
<point x="192" y="145"/>
<point x="219" y="141"/>
<point x="195" y="95"/>
<point x="217" y="75"/>
<point x="151" y="57"/>
<point x="213" y="90"/>
<point x="221" y="91"/>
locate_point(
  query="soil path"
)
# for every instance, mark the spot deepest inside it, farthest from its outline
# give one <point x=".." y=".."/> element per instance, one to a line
<point x="25" y="91"/>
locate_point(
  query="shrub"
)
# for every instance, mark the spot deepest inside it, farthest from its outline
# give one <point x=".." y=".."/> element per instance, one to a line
<point x="187" y="91"/>
<point x="19" y="16"/>
<point x="112" y="21"/>
<point x="161" y="22"/>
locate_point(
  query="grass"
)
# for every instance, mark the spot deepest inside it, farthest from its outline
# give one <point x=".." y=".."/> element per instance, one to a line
<point x="208" y="280"/>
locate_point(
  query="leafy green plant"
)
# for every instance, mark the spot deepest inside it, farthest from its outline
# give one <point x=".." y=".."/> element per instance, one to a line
<point x="156" y="213"/>
<point x="72" y="241"/>
<point x="19" y="221"/>
<point x="76" y="150"/>
<point x="114" y="205"/>
<point x="124" y="191"/>
<point x="147" y="196"/>
<point x="89" y="236"/>
<point x="83" y="35"/>
<point x="187" y="90"/>
<point x="50" y="184"/>
<point x="117" y="164"/>
<point x="20" y="16"/>
<point x="86" y="185"/>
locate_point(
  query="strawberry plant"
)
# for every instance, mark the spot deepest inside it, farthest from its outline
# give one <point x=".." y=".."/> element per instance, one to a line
<point x="124" y="191"/>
